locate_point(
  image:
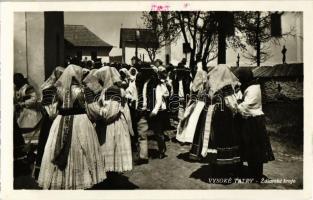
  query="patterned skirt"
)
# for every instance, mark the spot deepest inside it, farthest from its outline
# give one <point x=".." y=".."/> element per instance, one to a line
<point x="223" y="142"/>
<point x="117" y="149"/>
<point x="85" y="164"/>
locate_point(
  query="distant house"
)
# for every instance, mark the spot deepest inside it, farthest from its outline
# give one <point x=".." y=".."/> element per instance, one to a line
<point x="81" y="42"/>
<point x="134" y="37"/>
<point x="117" y="59"/>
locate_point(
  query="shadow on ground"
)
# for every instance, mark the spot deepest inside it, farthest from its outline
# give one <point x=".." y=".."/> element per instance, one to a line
<point x="115" y="181"/>
<point x="185" y="157"/>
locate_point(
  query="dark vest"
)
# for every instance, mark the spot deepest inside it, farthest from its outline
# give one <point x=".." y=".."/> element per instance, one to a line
<point x="184" y="75"/>
<point x="141" y="79"/>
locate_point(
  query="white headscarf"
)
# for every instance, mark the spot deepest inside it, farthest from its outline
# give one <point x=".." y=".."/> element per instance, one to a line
<point x="92" y="82"/>
<point x="126" y="72"/>
<point x="64" y="83"/>
<point x="132" y="76"/>
<point x="108" y="75"/>
<point x="52" y="79"/>
<point x="219" y="77"/>
<point x="200" y="78"/>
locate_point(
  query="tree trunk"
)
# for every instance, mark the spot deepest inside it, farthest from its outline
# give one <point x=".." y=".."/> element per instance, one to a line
<point x="221" y="48"/>
<point x="192" y="60"/>
<point x="258" y="43"/>
<point x="258" y="53"/>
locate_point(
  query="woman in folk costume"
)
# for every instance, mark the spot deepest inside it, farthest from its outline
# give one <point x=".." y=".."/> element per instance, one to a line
<point x="124" y="74"/>
<point x="72" y="158"/>
<point x="27" y="114"/>
<point x="255" y="143"/>
<point x="48" y="106"/>
<point x="131" y="91"/>
<point x="186" y="126"/>
<point x="216" y="134"/>
<point x="27" y="121"/>
<point x="116" y="116"/>
<point x="132" y="98"/>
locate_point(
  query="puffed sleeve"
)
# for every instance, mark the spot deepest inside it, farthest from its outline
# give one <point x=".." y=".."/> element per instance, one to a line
<point x="252" y="99"/>
<point x="30" y="98"/>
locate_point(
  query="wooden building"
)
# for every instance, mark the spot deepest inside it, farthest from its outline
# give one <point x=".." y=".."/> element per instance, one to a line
<point x="81" y="42"/>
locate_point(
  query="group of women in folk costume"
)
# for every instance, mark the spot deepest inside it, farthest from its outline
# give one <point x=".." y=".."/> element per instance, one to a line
<point x="72" y="157"/>
<point x="223" y="126"/>
<point x="87" y="128"/>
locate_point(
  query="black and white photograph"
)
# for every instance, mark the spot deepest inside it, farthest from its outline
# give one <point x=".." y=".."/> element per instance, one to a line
<point x="161" y="98"/>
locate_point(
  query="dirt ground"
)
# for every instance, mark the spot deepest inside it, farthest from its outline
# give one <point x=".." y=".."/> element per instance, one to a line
<point x="177" y="172"/>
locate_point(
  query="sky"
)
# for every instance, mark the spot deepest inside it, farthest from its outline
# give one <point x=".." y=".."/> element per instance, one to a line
<point x="106" y="25"/>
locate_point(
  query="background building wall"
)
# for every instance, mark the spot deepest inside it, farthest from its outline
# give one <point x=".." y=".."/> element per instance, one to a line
<point x="29" y="46"/>
<point x="36" y="50"/>
<point x="20" y="43"/>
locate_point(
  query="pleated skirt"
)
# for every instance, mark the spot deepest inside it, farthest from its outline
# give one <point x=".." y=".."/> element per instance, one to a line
<point x="117" y="149"/>
<point x="85" y="165"/>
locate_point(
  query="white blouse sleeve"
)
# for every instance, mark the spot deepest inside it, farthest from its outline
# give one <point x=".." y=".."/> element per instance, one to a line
<point x="158" y="94"/>
<point x="251" y="104"/>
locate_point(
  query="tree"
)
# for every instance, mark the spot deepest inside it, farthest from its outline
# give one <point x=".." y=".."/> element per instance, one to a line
<point x="257" y="28"/>
<point x="199" y="29"/>
<point x="162" y="28"/>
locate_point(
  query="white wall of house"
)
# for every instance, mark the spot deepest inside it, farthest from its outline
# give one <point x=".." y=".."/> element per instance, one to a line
<point x="29" y="46"/>
<point x="86" y="52"/>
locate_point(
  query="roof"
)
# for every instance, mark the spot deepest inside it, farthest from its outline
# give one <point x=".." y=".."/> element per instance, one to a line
<point x="279" y="71"/>
<point x="146" y="38"/>
<point x="233" y="68"/>
<point x="79" y="35"/>
<point x="293" y="70"/>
